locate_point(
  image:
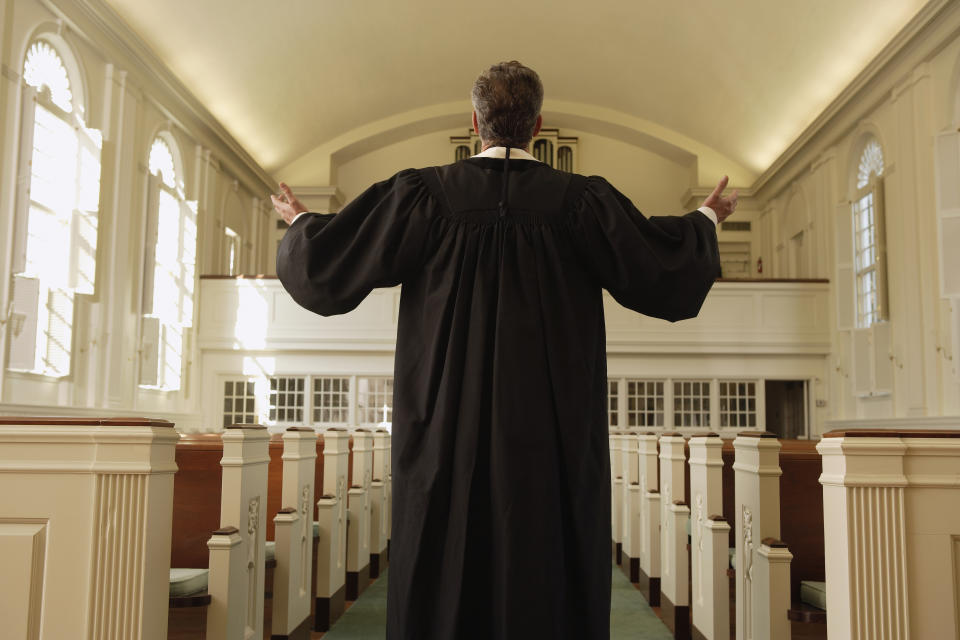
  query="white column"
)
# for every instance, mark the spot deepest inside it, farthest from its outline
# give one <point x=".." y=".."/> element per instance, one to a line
<point x="243" y="505"/>
<point x="87" y="510"/>
<point x="891" y="507"/>
<point x="294" y="533"/>
<point x="332" y="518"/>
<point x="616" y="494"/>
<point x="378" y="505"/>
<point x="709" y="539"/>
<point x="757" y="508"/>
<point x="772" y="590"/>
<point x="630" y="538"/>
<point x="649" y="519"/>
<point x="673" y="533"/>
<point x="226" y="615"/>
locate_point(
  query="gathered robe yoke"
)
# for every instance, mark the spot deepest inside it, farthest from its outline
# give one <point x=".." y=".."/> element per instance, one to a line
<point x="501" y="478"/>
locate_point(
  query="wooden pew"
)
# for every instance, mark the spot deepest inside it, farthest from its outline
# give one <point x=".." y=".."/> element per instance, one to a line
<point x="674" y="515"/>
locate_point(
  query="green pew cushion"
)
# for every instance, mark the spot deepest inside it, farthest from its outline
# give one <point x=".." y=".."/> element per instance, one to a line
<point x="814" y="593"/>
<point x="186" y="582"/>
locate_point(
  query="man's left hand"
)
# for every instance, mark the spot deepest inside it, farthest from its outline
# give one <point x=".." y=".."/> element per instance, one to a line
<point x="286" y="204"/>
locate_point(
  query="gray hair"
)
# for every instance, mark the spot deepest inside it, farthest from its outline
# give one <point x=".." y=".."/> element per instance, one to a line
<point x="507" y="98"/>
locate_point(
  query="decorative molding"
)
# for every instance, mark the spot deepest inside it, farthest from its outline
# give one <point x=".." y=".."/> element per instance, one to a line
<point x="929" y="16"/>
<point x="115" y="32"/>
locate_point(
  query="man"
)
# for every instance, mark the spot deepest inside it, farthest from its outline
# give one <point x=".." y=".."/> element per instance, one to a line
<point x="501" y="512"/>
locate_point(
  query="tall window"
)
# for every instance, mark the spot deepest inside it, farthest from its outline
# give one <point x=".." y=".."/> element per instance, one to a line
<point x="738" y="404"/>
<point x="232" y="252"/>
<point x="691" y="403"/>
<point x="331" y="400"/>
<point x="374" y="399"/>
<point x="171" y="247"/>
<point x="58" y="199"/>
<point x="613" y="403"/>
<point x="645" y="403"/>
<point x="869" y="249"/>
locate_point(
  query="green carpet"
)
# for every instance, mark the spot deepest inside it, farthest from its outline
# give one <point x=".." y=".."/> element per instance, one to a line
<point x="630" y="615"/>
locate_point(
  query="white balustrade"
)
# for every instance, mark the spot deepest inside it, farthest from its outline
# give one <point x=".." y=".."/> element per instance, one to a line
<point x="709" y="540"/>
<point x="85" y="527"/>
<point x="674" y="514"/>
<point x="891" y="502"/>
<point x="649" y="519"/>
<point x="757" y="508"/>
<point x="332" y="523"/>
<point x="294" y="535"/>
<point x="243" y="505"/>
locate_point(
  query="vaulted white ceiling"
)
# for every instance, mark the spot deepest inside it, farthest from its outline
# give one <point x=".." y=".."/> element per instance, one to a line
<point x="741" y="78"/>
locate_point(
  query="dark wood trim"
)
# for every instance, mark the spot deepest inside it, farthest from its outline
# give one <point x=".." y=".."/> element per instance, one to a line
<point x="756" y="434"/>
<point x="328" y="610"/>
<point x="631" y="568"/>
<point x="649" y="587"/>
<point x="226" y="531"/>
<point x="672" y="434"/>
<point x="679" y="503"/>
<point x="305" y="429"/>
<point x="892" y="433"/>
<point x="247" y="426"/>
<point x="619" y="552"/>
<point x="55" y="421"/>
<point x="357" y="582"/>
<point x="288" y="510"/>
<point x="302" y="632"/>
<point x="803" y="612"/>
<point x="374" y="566"/>
<point x="716" y="518"/>
<point x="193" y="600"/>
<point x="773" y="543"/>
<point x="676" y="617"/>
<point x="334" y="429"/>
<point x="695" y="633"/>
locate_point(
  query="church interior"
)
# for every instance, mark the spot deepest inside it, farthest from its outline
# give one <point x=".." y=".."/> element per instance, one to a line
<point x="815" y="398"/>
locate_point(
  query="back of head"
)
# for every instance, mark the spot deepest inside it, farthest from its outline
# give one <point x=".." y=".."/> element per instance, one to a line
<point x="507" y="98"/>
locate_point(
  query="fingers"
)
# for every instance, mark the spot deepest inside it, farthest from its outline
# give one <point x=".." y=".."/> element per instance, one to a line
<point x="733" y="200"/>
<point x="720" y="187"/>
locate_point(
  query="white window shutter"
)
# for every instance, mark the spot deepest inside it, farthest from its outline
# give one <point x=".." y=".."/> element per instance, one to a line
<point x="84" y="230"/>
<point x="23" y="323"/>
<point x="947" y="162"/>
<point x="150" y="341"/>
<point x="882" y="364"/>
<point x="862" y="361"/>
<point x="24" y="177"/>
<point x="880" y="220"/>
<point x="151" y="218"/>
<point x="844" y="285"/>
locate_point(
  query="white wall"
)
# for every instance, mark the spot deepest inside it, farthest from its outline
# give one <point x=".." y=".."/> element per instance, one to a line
<point x="130" y="97"/>
<point x="904" y="105"/>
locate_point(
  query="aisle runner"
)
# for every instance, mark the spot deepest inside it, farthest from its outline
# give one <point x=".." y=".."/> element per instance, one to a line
<point x="630" y="616"/>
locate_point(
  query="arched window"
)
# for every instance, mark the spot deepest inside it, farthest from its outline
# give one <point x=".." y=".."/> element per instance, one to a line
<point x="58" y="198"/>
<point x="170" y="264"/>
<point x="565" y="159"/>
<point x="869" y="248"/>
<point x="462" y="153"/>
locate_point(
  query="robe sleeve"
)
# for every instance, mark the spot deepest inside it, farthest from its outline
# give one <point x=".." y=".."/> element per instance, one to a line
<point x="658" y="266"/>
<point x="330" y="262"/>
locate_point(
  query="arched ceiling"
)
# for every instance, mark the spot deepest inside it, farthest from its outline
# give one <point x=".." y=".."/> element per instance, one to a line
<point x="737" y="80"/>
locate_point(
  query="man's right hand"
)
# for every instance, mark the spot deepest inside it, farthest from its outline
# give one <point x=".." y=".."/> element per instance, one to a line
<point x="723" y="207"/>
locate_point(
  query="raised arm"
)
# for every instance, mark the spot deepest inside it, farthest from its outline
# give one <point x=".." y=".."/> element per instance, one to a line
<point x="330" y="262"/>
<point x="659" y="266"/>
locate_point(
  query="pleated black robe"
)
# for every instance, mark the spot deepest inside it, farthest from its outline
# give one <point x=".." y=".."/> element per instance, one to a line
<point x="501" y="478"/>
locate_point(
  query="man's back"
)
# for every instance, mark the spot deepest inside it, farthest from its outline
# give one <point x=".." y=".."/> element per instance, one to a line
<point x="501" y="525"/>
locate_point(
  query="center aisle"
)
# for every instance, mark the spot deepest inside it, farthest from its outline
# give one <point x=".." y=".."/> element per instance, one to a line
<point x="630" y="615"/>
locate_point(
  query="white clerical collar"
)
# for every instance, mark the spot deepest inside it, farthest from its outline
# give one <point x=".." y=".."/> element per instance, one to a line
<point x="501" y="152"/>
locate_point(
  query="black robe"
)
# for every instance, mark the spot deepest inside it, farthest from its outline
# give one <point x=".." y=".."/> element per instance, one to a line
<point x="501" y="476"/>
